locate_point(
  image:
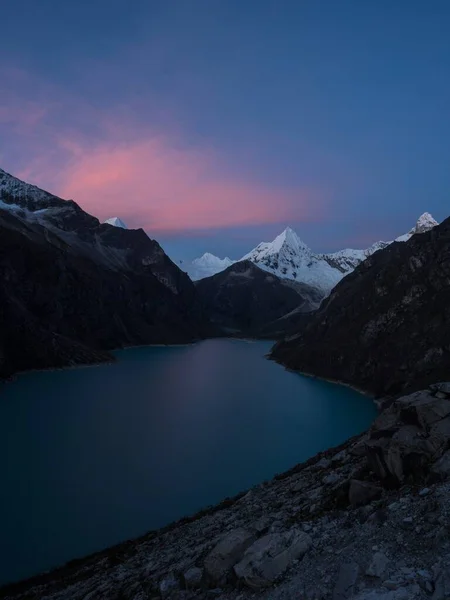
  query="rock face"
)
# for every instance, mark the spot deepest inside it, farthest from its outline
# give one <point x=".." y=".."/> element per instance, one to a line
<point x="244" y="298"/>
<point x="226" y="554"/>
<point x="73" y="288"/>
<point x="295" y="537"/>
<point x="270" y="556"/>
<point x="384" y="328"/>
<point x="413" y="432"/>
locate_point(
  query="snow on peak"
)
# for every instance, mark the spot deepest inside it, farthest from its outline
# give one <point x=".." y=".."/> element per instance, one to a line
<point x="425" y="222"/>
<point x="207" y="265"/>
<point x="116" y="222"/>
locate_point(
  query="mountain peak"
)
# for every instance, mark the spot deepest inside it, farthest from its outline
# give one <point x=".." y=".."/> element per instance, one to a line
<point x="424" y="223"/>
<point x="288" y="237"/>
<point x="116" y="222"/>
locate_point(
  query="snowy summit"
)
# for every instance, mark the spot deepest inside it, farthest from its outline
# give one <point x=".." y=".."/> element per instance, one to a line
<point x="207" y="265"/>
<point x="288" y="257"/>
<point x="116" y="222"/>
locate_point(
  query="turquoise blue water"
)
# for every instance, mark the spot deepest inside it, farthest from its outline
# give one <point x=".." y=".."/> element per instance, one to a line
<point x="96" y="455"/>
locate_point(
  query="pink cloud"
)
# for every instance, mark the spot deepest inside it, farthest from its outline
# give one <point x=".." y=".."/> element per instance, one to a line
<point x="124" y="168"/>
<point x="162" y="187"/>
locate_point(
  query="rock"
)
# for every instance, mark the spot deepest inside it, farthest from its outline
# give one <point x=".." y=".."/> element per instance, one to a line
<point x="441" y="468"/>
<point x="270" y="556"/>
<point x="226" y="554"/>
<point x="405" y="452"/>
<point x="339" y="457"/>
<point x="440" y="395"/>
<point x="331" y="479"/>
<point x="408" y="521"/>
<point x="424" y="492"/>
<point x="441" y="387"/>
<point x="378" y="565"/>
<point x="442" y="585"/>
<point x="193" y="578"/>
<point x="323" y="463"/>
<point x="362" y="492"/>
<point x="169" y="585"/>
<point x="346" y="581"/>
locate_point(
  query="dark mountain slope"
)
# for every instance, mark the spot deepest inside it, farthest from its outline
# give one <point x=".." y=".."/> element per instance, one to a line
<point x="73" y="288"/>
<point x="386" y="326"/>
<point x="243" y="298"/>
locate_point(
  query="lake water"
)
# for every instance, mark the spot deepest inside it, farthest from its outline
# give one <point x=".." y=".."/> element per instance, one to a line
<point x="93" y="456"/>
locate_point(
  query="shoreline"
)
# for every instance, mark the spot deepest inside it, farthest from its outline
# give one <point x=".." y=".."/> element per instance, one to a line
<point x="128" y="544"/>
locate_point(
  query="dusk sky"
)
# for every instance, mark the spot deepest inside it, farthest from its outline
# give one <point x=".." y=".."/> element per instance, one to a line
<point x="214" y="124"/>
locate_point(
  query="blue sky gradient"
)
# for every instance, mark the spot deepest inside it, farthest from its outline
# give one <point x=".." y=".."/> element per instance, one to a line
<point x="336" y="112"/>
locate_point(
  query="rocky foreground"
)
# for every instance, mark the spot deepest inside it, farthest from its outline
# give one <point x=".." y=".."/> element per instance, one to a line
<point x="369" y="520"/>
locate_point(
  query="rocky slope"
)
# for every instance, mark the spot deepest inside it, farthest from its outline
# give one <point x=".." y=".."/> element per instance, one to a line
<point x="73" y="287"/>
<point x="243" y="298"/>
<point x="385" y="327"/>
<point x="366" y="521"/>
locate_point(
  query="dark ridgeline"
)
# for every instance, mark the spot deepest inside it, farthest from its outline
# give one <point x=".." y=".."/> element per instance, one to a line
<point x="385" y="328"/>
<point x="245" y="300"/>
<point x="73" y="288"/>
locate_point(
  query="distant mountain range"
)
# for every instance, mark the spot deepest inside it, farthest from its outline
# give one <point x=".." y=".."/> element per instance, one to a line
<point x="287" y="256"/>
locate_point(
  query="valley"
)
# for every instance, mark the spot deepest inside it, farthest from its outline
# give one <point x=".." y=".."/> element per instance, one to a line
<point x="74" y="290"/>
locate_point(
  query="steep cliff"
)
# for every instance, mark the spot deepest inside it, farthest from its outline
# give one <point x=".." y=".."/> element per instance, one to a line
<point x="73" y="288"/>
<point x="386" y="326"/>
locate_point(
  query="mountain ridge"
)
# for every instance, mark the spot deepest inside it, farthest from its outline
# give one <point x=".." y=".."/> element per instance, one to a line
<point x="384" y="328"/>
<point x="287" y="256"/>
<point x="74" y="288"/>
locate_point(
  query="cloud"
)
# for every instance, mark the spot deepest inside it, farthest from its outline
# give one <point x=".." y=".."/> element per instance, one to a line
<point x="113" y="165"/>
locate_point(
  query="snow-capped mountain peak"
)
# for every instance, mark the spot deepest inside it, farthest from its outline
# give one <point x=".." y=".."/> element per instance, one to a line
<point x="208" y="265"/>
<point x="116" y="222"/>
<point x="287" y="256"/>
<point x="424" y="223"/>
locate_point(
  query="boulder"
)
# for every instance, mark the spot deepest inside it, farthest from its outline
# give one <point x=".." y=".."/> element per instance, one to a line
<point x="169" y="585"/>
<point x="193" y="578"/>
<point x="443" y="387"/>
<point x="363" y="492"/>
<point x="270" y="556"/>
<point x="378" y="565"/>
<point x="406" y="450"/>
<point x="226" y="554"/>
<point x="441" y="468"/>
<point x="346" y="581"/>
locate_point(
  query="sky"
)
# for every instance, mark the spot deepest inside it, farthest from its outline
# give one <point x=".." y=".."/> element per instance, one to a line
<point x="214" y="124"/>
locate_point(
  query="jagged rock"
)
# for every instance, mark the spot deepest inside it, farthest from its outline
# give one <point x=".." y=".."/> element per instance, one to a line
<point x="442" y="585"/>
<point x="345" y="585"/>
<point x="193" y="578"/>
<point x="331" y="479"/>
<point x="270" y="556"/>
<point x="410" y="434"/>
<point x="323" y="463"/>
<point x="443" y="387"/>
<point x="441" y="467"/>
<point x="169" y="585"/>
<point x="226" y="554"/>
<point x="378" y="565"/>
<point x="362" y="492"/>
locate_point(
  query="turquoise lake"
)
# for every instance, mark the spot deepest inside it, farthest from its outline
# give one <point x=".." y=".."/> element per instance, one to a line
<point x="93" y="456"/>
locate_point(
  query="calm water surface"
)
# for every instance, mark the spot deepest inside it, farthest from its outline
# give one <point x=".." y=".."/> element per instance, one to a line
<point x="93" y="456"/>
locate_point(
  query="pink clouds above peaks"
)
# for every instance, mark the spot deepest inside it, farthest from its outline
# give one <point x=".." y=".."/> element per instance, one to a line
<point x="111" y="163"/>
<point x="164" y="188"/>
